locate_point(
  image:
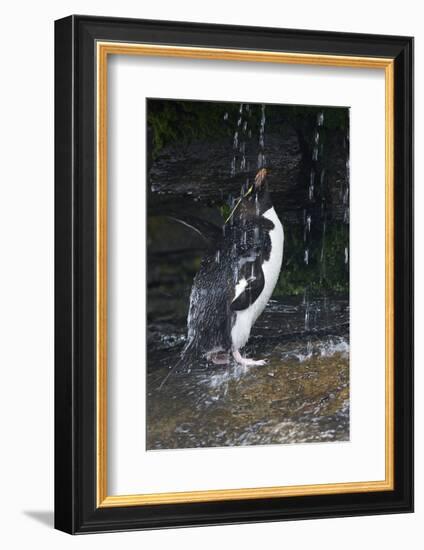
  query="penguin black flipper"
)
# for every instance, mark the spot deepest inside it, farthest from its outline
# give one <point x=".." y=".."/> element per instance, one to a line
<point x="249" y="286"/>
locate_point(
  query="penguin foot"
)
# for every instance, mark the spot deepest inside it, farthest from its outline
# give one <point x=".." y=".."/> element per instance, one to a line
<point x="245" y="361"/>
<point x="218" y="358"/>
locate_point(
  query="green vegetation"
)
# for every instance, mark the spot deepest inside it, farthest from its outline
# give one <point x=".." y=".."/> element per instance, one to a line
<point x="182" y="121"/>
<point x="329" y="273"/>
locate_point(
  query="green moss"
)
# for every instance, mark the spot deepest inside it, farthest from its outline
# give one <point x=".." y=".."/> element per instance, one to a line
<point x="326" y="268"/>
<point x="183" y="121"/>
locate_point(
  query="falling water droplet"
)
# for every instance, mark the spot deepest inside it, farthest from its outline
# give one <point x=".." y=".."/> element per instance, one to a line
<point x="233" y="167"/>
<point x="311" y="185"/>
<point x="320" y="118"/>
<point x="235" y="140"/>
<point x="306" y="256"/>
<point x="346" y="215"/>
<point x="226" y="116"/>
<point x="307" y="317"/>
<point x="346" y="255"/>
<point x="346" y="196"/>
<point x="217" y="256"/>
<point x="260" y="160"/>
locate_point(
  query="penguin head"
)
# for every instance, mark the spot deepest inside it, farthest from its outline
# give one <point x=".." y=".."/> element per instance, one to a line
<point x="260" y="180"/>
<point x="254" y="202"/>
<point x="259" y="200"/>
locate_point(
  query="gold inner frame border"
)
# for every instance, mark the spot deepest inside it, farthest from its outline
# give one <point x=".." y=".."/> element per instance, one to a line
<point x="103" y="50"/>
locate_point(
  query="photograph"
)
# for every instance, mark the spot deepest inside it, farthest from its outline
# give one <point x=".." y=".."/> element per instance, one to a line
<point x="247" y="274"/>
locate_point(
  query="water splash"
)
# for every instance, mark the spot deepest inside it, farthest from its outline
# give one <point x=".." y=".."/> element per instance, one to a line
<point x="327" y="347"/>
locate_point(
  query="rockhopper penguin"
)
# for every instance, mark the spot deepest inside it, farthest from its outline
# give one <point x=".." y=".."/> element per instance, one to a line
<point x="236" y="279"/>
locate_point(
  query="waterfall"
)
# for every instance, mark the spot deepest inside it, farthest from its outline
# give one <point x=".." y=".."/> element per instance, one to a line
<point x="261" y="155"/>
<point x="242" y="138"/>
<point x="316" y="178"/>
<point x="346" y="201"/>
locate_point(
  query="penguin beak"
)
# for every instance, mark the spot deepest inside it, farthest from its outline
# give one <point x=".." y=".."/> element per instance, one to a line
<point x="260" y="178"/>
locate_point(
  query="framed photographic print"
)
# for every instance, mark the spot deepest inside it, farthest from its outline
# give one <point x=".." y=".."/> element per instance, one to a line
<point x="233" y="274"/>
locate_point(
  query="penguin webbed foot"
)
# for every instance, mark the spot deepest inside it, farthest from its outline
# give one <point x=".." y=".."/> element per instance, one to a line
<point x="218" y="358"/>
<point x="246" y="361"/>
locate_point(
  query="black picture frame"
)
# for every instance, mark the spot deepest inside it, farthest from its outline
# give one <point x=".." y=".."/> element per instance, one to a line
<point x="76" y="509"/>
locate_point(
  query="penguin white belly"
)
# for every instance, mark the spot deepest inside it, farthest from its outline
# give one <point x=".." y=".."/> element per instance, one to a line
<point x="246" y="318"/>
